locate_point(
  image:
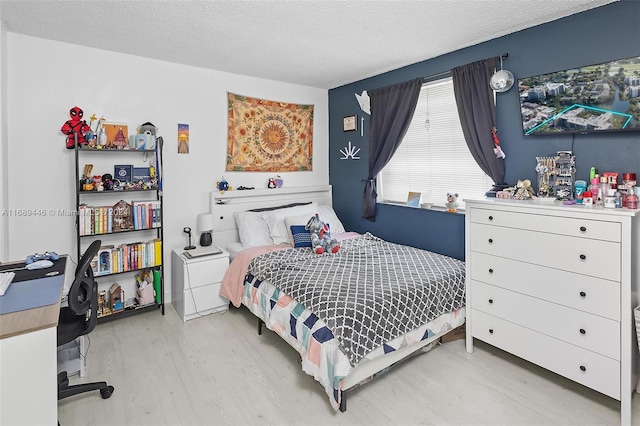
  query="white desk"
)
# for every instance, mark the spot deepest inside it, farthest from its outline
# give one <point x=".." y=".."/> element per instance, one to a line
<point x="28" y="364"/>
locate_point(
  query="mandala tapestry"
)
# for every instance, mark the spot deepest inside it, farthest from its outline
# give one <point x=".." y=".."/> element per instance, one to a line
<point x="268" y="136"/>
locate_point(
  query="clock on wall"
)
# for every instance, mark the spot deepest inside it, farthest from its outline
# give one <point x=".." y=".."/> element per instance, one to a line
<point x="349" y="123"/>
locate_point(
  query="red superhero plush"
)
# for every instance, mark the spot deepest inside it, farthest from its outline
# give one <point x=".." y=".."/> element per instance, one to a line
<point x="75" y="126"/>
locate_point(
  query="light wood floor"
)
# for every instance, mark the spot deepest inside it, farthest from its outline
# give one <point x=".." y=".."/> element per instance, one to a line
<point x="216" y="370"/>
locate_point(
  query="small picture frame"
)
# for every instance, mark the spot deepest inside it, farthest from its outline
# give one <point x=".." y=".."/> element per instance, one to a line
<point x="117" y="135"/>
<point x="349" y="123"/>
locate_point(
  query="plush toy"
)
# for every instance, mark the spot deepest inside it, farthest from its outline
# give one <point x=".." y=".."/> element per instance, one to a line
<point x="452" y="203"/>
<point x="75" y="126"/>
<point x="523" y="190"/>
<point x="321" y="240"/>
<point x="147" y="129"/>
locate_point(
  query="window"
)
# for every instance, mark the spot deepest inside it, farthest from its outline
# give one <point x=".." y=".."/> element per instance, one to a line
<point x="433" y="158"/>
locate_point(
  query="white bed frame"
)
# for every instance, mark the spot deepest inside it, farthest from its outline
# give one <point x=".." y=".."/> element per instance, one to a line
<point x="224" y="205"/>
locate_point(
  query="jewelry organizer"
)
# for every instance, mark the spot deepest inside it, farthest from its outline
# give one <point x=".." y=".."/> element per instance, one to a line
<point x="556" y="175"/>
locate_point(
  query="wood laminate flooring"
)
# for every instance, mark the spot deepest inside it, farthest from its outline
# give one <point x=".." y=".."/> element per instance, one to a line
<point x="216" y="370"/>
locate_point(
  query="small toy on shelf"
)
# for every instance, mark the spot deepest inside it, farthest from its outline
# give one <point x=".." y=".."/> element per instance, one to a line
<point x="452" y="202"/>
<point x="271" y="183"/>
<point x="76" y="127"/>
<point x="223" y="185"/>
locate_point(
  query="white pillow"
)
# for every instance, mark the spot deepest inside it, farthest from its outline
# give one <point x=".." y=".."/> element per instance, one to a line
<point x="253" y="229"/>
<point x="275" y="221"/>
<point x="328" y="215"/>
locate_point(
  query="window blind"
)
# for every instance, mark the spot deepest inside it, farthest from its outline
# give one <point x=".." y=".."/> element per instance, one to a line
<point x="433" y="158"/>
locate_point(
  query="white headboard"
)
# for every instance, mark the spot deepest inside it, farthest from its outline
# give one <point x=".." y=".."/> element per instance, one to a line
<point x="224" y="205"/>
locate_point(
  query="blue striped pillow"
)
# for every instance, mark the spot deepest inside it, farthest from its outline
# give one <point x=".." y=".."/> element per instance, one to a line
<point x="301" y="237"/>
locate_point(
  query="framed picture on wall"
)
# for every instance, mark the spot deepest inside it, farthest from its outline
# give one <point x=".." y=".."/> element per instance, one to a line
<point x="349" y="123"/>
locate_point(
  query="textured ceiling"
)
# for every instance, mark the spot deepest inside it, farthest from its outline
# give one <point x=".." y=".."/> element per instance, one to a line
<point x="322" y="44"/>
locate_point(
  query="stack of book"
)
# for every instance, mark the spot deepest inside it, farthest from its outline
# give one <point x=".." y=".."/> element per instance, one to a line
<point x="128" y="257"/>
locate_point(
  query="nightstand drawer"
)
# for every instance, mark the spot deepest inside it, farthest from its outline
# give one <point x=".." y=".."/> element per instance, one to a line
<point x="203" y="300"/>
<point x="205" y="271"/>
<point x="584" y="228"/>
<point x="588" y="368"/>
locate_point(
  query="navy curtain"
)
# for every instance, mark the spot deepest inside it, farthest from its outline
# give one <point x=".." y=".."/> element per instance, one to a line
<point x="392" y="109"/>
<point x="477" y="112"/>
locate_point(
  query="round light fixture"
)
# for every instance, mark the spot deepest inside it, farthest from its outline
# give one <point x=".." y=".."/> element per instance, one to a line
<point x="501" y="80"/>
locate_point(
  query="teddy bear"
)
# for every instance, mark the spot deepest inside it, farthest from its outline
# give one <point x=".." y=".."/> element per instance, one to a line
<point x="452" y="202"/>
<point x="321" y="240"/>
<point x="523" y="190"/>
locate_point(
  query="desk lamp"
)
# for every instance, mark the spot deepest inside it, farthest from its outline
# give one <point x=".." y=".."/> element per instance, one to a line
<point x="205" y="226"/>
<point x="187" y="231"/>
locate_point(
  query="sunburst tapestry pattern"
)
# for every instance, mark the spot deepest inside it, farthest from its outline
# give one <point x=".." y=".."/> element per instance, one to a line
<point x="268" y="136"/>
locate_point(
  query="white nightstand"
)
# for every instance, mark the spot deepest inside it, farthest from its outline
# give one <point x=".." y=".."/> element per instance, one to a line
<point x="195" y="284"/>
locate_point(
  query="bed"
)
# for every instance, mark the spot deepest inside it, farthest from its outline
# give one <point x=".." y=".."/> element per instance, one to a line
<point x="350" y="315"/>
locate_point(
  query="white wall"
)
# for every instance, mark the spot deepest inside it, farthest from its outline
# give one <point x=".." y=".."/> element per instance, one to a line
<point x="46" y="78"/>
<point x="4" y="243"/>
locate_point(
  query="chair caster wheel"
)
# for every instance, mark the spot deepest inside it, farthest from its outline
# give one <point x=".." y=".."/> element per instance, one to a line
<point x="106" y="392"/>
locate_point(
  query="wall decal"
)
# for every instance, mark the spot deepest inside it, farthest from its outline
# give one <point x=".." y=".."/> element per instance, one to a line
<point x="350" y="152"/>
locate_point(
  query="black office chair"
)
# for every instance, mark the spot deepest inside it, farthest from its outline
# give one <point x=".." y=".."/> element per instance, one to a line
<point x="78" y="319"/>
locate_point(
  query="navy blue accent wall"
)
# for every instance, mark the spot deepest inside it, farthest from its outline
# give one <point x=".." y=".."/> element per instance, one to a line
<point x="598" y="35"/>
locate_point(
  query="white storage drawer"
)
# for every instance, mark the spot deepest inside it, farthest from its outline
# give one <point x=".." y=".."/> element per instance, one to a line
<point x="596" y="229"/>
<point x="204" y="271"/>
<point x="584" y="256"/>
<point x="195" y="284"/>
<point x="594" y="295"/>
<point x="588" y="368"/>
<point x="597" y="334"/>
<point x="204" y="300"/>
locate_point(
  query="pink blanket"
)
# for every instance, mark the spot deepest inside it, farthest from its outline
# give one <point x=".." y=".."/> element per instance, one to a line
<point x="233" y="281"/>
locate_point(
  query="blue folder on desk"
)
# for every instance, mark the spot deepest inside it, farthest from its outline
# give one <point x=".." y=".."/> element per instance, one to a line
<point x="30" y="294"/>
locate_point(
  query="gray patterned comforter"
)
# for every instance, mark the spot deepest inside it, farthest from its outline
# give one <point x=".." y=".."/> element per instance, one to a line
<point x="370" y="292"/>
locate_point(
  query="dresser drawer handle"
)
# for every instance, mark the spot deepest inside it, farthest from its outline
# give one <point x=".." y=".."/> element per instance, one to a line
<point x="490" y="301"/>
<point x="490" y="240"/>
<point x="490" y="271"/>
<point x="491" y="331"/>
<point x="490" y="217"/>
<point x="583" y="228"/>
<point x="583" y="257"/>
<point x="583" y="294"/>
<point x="583" y="368"/>
<point x="583" y="331"/>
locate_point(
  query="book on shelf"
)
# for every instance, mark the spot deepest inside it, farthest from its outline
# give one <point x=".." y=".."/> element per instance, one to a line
<point x="146" y="214"/>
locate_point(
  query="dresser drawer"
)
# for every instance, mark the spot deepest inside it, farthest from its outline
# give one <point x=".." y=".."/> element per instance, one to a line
<point x="584" y="256"/>
<point x="589" y="294"/>
<point x="206" y="271"/>
<point x="587" y="331"/>
<point x="575" y="227"/>
<point x="588" y="368"/>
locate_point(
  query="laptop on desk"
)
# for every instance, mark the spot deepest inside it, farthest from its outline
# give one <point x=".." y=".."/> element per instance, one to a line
<point x="202" y="251"/>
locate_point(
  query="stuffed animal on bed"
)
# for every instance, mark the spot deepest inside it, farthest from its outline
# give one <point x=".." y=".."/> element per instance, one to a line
<point x="321" y="240"/>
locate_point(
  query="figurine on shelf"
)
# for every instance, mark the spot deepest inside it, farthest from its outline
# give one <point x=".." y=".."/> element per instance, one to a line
<point x="74" y="128"/>
<point x="272" y="183"/>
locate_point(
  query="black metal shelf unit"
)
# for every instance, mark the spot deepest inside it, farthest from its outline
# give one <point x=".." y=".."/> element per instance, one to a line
<point x="128" y="234"/>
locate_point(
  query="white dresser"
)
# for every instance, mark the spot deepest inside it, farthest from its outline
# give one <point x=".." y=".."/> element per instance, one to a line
<point x="556" y="285"/>
<point x="195" y="284"/>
